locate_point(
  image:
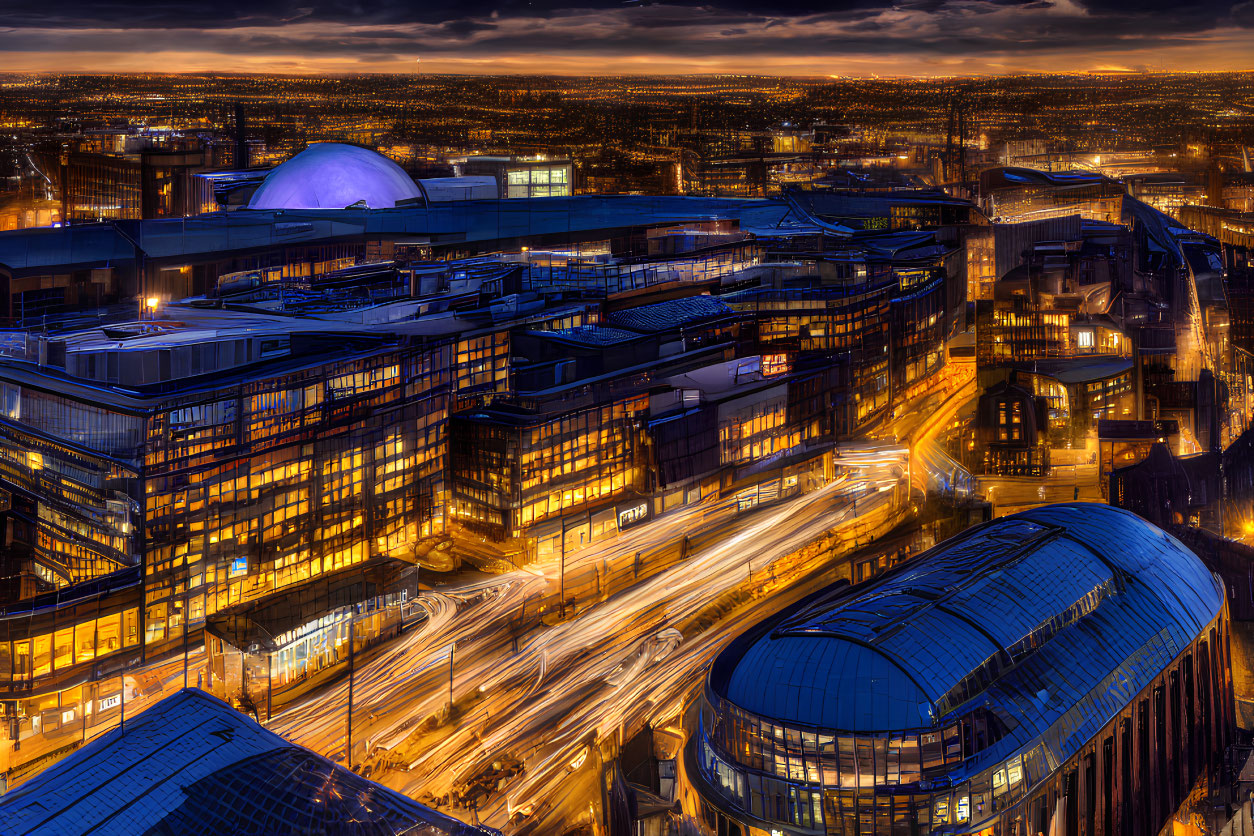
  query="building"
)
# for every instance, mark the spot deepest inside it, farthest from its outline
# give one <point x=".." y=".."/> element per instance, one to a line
<point x="881" y="300"/>
<point x="1064" y="670"/>
<point x="1121" y="443"/>
<point x="192" y="765"/>
<point x="330" y="175"/>
<point x="521" y="177"/>
<point x="222" y="459"/>
<point x="156" y="182"/>
<point x="1119" y="315"/>
<point x="1167" y="191"/>
<point x="310" y="395"/>
<point x="1024" y="194"/>
<point x="268" y="652"/>
<point x="1168" y="490"/>
<point x="1011" y="423"/>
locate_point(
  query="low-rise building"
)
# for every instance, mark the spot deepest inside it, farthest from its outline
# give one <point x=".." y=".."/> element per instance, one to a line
<point x="192" y="764"/>
<point x="1066" y="664"/>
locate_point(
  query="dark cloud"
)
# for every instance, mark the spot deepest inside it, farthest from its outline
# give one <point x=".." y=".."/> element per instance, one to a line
<point x="464" y="28"/>
<point x="374" y="31"/>
<point x="197" y="14"/>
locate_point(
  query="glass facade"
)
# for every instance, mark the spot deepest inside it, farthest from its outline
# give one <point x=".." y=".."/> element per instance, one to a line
<point x="538" y="181"/>
<point x="749" y="432"/>
<point x="295" y="476"/>
<point x="890" y="320"/>
<point x="994" y="742"/>
<point x="769" y="774"/>
<point x="72" y="476"/>
<point x="512" y="470"/>
<point x="601" y="277"/>
<point x="481" y="367"/>
<point x="265" y="654"/>
<point x="236" y="492"/>
<point x="61" y="662"/>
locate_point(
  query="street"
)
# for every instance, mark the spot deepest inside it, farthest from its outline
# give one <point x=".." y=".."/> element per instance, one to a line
<point x="568" y="684"/>
<point x="449" y="710"/>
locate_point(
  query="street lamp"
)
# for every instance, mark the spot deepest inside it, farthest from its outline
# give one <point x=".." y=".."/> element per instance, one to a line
<point x="151" y="304"/>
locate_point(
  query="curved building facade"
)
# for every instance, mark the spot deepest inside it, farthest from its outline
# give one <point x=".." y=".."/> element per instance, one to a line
<point x="1067" y="665"/>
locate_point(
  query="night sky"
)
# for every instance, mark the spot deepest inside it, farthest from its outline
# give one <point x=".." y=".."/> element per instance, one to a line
<point x="794" y="37"/>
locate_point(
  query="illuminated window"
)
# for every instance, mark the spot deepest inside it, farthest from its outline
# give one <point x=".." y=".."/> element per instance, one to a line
<point x="1009" y="421"/>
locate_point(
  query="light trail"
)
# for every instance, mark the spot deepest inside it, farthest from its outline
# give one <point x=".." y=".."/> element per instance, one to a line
<point x="575" y="681"/>
<point x="631" y="658"/>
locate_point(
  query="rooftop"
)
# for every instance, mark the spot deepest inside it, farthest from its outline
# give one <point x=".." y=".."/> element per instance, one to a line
<point x="30" y="251"/>
<point x="666" y="316"/>
<point x="330" y="175"/>
<point x="1032" y="617"/>
<point x="191" y="764"/>
<point x="590" y="335"/>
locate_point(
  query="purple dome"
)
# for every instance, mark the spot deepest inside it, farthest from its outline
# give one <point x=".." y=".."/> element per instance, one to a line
<point x="329" y="175"/>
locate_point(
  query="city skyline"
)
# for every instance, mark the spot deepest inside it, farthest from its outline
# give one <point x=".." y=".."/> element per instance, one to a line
<point x="597" y="37"/>
<point x="627" y="455"/>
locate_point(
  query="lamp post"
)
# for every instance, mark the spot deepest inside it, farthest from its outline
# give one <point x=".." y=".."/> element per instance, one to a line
<point x="352" y="642"/>
<point x="452" y="648"/>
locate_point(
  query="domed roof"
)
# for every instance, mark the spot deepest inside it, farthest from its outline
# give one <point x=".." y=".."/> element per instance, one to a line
<point x="1026" y="614"/>
<point x="329" y="175"/>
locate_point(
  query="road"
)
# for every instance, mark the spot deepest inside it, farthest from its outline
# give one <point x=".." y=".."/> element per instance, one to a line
<point x="540" y="699"/>
<point x="933" y="468"/>
<point x="1065" y="483"/>
<point x="511" y="739"/>
<point x="614" y="665"/>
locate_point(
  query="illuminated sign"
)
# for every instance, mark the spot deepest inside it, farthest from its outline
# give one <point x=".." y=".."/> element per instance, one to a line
<point x="630" y="515"/>
<point x="239" y="566"/>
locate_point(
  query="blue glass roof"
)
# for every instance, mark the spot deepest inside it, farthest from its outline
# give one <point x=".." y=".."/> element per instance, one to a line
<point x="669" y="315"/>
<point x="191" y="764"/>
<point x="1052" y="606"/>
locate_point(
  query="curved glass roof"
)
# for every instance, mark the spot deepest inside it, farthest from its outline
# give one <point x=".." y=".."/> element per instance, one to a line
<point x="329" y="175"/>
<point x="1031" y="616"/>
<point x="191" y="765"/>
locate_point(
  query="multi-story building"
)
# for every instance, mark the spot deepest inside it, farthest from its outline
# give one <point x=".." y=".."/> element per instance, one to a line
<point x="1117" y="319"/>
<point x="308" y="396"/>
<point x="885" y="308"/>
<point x="522" y="177"/>
<point x="146" y="183"/>
<point x="222" y="459"/>
<point x="949" y="696"/>
<point x="1024" y="194"/>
